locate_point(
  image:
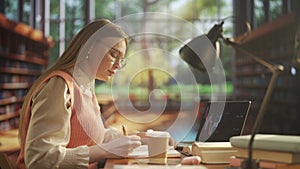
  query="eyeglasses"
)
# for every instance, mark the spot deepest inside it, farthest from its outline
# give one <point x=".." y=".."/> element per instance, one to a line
<point x="116" y="58"/>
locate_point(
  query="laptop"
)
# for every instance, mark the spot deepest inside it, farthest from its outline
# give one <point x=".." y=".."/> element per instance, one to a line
<point x="215" y="126"/>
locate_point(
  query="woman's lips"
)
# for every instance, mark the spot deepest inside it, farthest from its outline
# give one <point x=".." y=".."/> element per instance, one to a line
<point x="111" y="73"/>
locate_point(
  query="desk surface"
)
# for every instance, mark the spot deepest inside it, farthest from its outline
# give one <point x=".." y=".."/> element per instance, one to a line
<point x="171" y="161"/>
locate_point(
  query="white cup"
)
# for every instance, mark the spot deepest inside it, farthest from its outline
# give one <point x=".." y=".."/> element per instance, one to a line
<point x="158" y="143"/>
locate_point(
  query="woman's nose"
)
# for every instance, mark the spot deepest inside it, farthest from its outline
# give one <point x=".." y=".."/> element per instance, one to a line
<point x="117" y="65"/>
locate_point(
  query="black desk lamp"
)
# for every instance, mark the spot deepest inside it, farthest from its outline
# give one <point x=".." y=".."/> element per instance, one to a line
<point x="203" y="62"/>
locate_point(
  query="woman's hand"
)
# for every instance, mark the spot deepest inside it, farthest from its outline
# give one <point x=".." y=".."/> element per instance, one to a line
<point x="117" y="148"/>
<point x="122" y="146"/>
<point x="111" y="134"/>
<point x="192" y="160"/>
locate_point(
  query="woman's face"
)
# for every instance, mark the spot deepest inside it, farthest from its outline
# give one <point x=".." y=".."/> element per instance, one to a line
<point x="111" y="61"/>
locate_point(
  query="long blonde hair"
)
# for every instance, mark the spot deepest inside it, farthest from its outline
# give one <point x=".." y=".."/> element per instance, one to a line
<point x="68" y="59"/>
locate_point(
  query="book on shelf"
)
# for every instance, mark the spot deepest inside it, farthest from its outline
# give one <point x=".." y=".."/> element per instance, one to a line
<point x="267" y="155"/>
<point x="237" y="162"/>
<point x="211" y="152"/>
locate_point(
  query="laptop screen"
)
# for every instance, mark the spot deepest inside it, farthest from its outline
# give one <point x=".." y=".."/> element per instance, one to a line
<point x="219" y="126"/>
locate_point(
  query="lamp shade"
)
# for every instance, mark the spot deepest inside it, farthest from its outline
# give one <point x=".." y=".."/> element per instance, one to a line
<point x="200" y="53"/>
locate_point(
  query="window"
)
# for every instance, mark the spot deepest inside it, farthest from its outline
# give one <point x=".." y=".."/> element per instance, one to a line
<point x="266" y="10"/>
<point x="62" y="19"/>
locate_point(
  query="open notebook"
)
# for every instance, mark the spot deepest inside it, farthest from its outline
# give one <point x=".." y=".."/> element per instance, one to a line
<point x="214" y="126"/>
<point x="142" y="152"/>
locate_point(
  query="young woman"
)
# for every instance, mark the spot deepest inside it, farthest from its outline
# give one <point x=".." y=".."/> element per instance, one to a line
<point x="61" y="125"/>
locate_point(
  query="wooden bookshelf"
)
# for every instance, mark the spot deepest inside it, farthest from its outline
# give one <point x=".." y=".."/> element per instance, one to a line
<point x="24" y="54"/>
<point x="275" y="43"/>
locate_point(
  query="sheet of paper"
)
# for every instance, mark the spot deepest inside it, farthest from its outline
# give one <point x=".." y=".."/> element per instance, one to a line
<point x="137" y="166"/>
<point x="142" y="151"/>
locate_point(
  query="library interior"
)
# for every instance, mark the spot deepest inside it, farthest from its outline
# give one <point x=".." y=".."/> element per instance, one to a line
<point x="235" y="63"/>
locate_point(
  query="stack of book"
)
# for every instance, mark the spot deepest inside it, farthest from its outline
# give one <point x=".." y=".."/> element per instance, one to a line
<point x="271" y="151"/>
<point x="263" y="164"/>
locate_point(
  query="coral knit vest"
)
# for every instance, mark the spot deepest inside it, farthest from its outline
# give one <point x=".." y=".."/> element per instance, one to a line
<point x="86" y="124"/>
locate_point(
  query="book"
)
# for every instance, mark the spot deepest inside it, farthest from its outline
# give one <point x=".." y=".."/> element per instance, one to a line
<point x="211" y="152"/>
<point x="187" y="150"/>
<point x="237" y="162"/>
<point x="275" y="156"/>
<point x="285" y="143"/>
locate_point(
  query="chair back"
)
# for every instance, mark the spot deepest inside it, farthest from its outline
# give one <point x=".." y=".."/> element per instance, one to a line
<point x="5" y="162"/>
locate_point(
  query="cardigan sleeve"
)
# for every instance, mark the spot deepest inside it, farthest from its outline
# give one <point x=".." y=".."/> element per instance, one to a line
<point x="49" y="130"/>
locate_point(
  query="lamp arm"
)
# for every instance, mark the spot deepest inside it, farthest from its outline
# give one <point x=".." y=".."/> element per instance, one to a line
<point x="263" y="108"/>
<point x="275" y="69"/>
<point x="237" y="46"/>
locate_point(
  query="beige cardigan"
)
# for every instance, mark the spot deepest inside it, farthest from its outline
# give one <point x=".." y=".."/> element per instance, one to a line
<point x="58" y="135"/>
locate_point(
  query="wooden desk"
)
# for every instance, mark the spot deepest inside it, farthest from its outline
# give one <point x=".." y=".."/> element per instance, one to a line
<point x="171" y="161"/>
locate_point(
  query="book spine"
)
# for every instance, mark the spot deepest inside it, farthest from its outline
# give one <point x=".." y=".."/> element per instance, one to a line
<point x="274" y="156"/>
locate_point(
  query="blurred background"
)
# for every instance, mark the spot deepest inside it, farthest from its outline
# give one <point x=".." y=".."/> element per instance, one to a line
<point x="268" y="28"/>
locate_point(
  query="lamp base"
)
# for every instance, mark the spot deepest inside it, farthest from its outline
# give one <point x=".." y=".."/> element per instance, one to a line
<point x="245" y="165"/>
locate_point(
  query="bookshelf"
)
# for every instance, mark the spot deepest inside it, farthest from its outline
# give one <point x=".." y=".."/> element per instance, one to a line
<point x="275" y="43"/>
<point x="23" y="57"/>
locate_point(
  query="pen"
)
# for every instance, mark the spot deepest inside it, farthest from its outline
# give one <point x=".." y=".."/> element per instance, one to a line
<point x="124" y="130"/>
